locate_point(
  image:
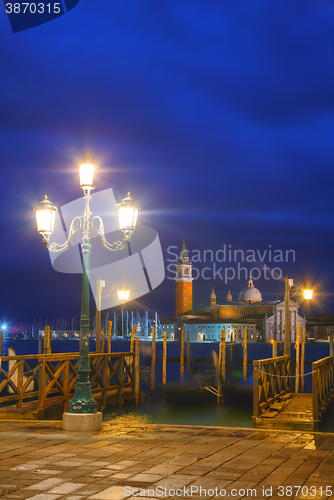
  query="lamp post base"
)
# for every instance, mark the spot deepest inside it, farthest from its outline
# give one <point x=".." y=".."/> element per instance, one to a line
<point x="82" y="422"/>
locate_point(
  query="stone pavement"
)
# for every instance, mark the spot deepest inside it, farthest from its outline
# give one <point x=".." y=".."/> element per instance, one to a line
<point x="39" y="461"/>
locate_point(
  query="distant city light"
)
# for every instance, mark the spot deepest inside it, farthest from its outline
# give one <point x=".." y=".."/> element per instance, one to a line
<point x="3" y="327"/>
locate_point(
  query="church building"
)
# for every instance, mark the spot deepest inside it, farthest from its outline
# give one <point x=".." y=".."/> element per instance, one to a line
<point x="264" y="319"/>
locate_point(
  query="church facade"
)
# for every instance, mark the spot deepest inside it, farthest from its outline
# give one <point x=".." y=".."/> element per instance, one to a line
<point x="264" y="320"/>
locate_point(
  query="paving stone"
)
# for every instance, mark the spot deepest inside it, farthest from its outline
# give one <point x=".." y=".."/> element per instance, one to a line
<point x="44" y="496"/>
<point x="112" y="493"/>
<point x="46" y="484"/>
<point x="65" y="488"/>
<point x="147" y="478"/>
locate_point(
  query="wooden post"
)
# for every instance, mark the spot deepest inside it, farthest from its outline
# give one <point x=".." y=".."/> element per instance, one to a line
<point x="274" y="351"/>
<point x="182" y="354"/>
<point x="287" y="332"/>
<point x="297" y="359"/>
<point x="133" y="335"/>
<point x="245" y="354"/>
<point x="188" y="356"/>
<point x="315" y="396"/>
<point x="256" y="377"/>
<point x="104" y="382"/>
<point x="47" y="340"/>
<point x="223" y="367"/>
<point x="164" y="360"/>
<point x="219" y="374"/>
<point x="66" y="382"/>
<point x="20" y="382"/>
<point x="137" y="391"/>
<point x="41" y="388"/>
<point x="103" y="338"/>
<point x="98" y="315"/>
<point x="231" y="347"/>
<point x="109" y="337"/>
<point x="40" y="343"/>
<point x="302" y="362"/>
<point x="121" y="381"/>
<point x="153" y="360"/>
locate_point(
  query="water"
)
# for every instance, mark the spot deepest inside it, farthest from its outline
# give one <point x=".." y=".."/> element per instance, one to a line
<point x="160" y="412"/>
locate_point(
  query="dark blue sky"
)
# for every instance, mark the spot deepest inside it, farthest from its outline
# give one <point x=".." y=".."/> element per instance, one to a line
<point x="218" y="116"/>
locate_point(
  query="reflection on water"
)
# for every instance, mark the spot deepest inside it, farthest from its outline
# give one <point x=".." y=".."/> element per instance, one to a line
<point x="120" y="423"/>
<point x="130" y="418"/>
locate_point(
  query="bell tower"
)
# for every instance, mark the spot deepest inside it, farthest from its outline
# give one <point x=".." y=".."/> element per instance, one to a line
<point x="183" y="283"/>
<point x="213" y="298"/>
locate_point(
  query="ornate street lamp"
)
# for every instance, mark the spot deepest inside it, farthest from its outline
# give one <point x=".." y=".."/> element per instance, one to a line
<point x="307" y="294"/>
<point x="83" y="402"/>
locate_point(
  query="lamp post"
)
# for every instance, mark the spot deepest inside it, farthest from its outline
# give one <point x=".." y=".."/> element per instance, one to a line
<point x="307" y="294"/>
<point x="83" y="403"/>
<point x="122" y="295"/>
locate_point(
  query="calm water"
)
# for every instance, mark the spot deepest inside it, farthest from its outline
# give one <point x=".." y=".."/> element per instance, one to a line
<point x="160" y="412"/>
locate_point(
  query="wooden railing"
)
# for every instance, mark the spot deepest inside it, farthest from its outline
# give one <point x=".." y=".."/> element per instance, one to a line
<point x="271" y="382"/>
<point x="52" y="378"/>
<point x="322" y="388"/>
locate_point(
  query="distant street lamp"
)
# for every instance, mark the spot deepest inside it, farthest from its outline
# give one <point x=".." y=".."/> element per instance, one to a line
<point x="83" y="402"/>
<point x="307" y="294"/>
<point x="122" y="295"/>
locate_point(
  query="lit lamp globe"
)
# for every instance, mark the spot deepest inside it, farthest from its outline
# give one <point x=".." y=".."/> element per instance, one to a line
<point x="45" y="218"/>
<point x="87" y="168"/>
<point x="123" y="294"/>
<point x="128" y="214"/>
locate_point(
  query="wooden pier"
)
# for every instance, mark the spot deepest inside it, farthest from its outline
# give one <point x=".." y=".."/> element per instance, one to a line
<point x="275" y="406"/>
<point x="40" y="386"/>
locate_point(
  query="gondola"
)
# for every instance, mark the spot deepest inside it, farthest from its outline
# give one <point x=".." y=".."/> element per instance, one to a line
<point x="197" y="391"/>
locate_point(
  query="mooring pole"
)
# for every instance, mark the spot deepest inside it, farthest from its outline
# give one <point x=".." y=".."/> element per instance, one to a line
<point x="182" y="354"/>
<point x="297" y="359"/>
<point x="137" y="390"/>
<point x="245" y="354"/>
<point x="153" y="360"/>
<point x="109" y="336"/>
<point x="164" y="359"/>
<point x="223" y="333"/>
<point x="302" y="361"/>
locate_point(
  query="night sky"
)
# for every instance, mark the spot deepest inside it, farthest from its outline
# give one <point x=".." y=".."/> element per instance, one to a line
<point x="218" y="116"/>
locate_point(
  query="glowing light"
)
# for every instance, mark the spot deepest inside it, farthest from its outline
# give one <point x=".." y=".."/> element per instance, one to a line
<point x="4" y="327"/>
<point x="86" y="171"/>
<point x="307" y="294"/>
<point x="45" y="217"/>
<point x="128" y="214"/>
<point x="123" y="294"/>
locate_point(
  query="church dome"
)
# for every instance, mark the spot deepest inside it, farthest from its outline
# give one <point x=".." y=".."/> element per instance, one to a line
<point x="250" y="294"/>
